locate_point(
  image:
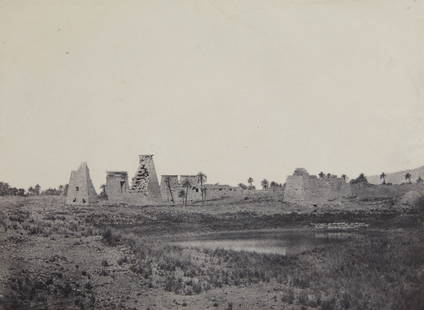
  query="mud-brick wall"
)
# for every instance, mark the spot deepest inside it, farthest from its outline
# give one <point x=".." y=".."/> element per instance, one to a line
<point x="223" y="191"/>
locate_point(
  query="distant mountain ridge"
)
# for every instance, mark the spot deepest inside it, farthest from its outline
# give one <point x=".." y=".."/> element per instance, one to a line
<point x="398" y="177"/>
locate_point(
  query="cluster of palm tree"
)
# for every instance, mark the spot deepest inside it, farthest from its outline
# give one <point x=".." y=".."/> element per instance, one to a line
<point x="361" y="179"/>
<point x="275" y="185"/>
<point x="270" y="185"/>
<point x="407" y="177"/>
<point x="7" y="190"/>
<point x="186" y="184"/>
<point x="322" y="175"/>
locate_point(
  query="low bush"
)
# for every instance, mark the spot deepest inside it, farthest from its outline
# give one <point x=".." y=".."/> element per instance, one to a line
<point x="110" y="238"/>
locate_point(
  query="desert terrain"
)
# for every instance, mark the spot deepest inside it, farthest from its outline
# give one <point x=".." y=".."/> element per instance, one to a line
<point x="125" y="257"/>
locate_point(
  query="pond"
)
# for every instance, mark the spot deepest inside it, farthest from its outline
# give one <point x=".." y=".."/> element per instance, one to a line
<point x="289" y="242"/>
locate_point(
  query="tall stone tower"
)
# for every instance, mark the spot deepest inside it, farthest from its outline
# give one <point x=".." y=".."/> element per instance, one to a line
<point x="145" y="180"/>
<point x="81" y="190"/>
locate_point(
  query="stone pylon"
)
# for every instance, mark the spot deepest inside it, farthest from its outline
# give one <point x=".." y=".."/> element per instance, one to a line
<point x="116" y="185"/>
<point x="145" y="180"/>
<point x="81" y="190"/>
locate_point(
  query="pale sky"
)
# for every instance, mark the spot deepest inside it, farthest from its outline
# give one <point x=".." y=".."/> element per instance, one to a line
<point x="231" y="88"/>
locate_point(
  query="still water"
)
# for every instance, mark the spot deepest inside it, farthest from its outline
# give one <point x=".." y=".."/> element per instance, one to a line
<point x="270" y="242"/>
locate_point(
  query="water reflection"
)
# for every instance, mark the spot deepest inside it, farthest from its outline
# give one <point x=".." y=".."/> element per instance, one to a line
<point x="282" y="243"/>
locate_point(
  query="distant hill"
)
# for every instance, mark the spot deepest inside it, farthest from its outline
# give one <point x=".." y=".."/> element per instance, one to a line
<point x="398" y="177"/>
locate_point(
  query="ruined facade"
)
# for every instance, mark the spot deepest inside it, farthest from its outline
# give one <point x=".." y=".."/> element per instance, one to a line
<point x="81" y="190"/>
<point x="303" y="188"/>
<point x="172" y="189"/>
<point x="145" y="180"/>
<point x="116" y="185"/>
<point x="218" y="191"/>
<point x="144" y="188"/>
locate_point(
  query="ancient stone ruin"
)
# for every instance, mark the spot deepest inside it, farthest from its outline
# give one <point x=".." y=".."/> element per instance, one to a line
<point x="173" y="186"/>
<point x="169" y="187"/>
<point x="116" y="185"/>
<point x="81" y="190"/>
<point x="144" y="187"/>
<point x="145" y="180"/>
<point x="303" y="188"/>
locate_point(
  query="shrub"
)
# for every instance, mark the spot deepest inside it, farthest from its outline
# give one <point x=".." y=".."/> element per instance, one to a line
<point x="110" y="238"/>
<point x="122" y="260"/>
<point x="419" y="204"/>
<point x="328" y="304"/>
<point x="104" y="273"/>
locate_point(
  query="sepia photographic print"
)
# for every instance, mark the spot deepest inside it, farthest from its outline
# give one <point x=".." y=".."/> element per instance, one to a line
<point x="212" y="154"/>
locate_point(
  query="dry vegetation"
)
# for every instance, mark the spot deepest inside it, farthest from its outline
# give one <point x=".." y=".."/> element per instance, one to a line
<point x="118" y="257"/>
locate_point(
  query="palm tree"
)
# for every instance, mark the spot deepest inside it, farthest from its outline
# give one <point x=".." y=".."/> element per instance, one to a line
<point x="250" y="181"/>
<point x="265" y="184"/>
<point x="201" y="178"/>
<point x="168" y="184"/>
<point x="383" y="177"/>
<point x="361" y="179"/>
<point x="344" y="177"/>
<point x="186" y="184"/>
<point x="408" y="177"/>
<point x="321" y="175"/>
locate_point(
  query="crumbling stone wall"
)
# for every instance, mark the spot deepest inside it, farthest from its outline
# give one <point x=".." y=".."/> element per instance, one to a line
<point x="166" y="189"/>
<point x="144" y="188"/>
<point x="303" y="188"/>
<point x="176" y="184"/>
<point x="218" y="191"/>
<point x="213" y="191"/>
